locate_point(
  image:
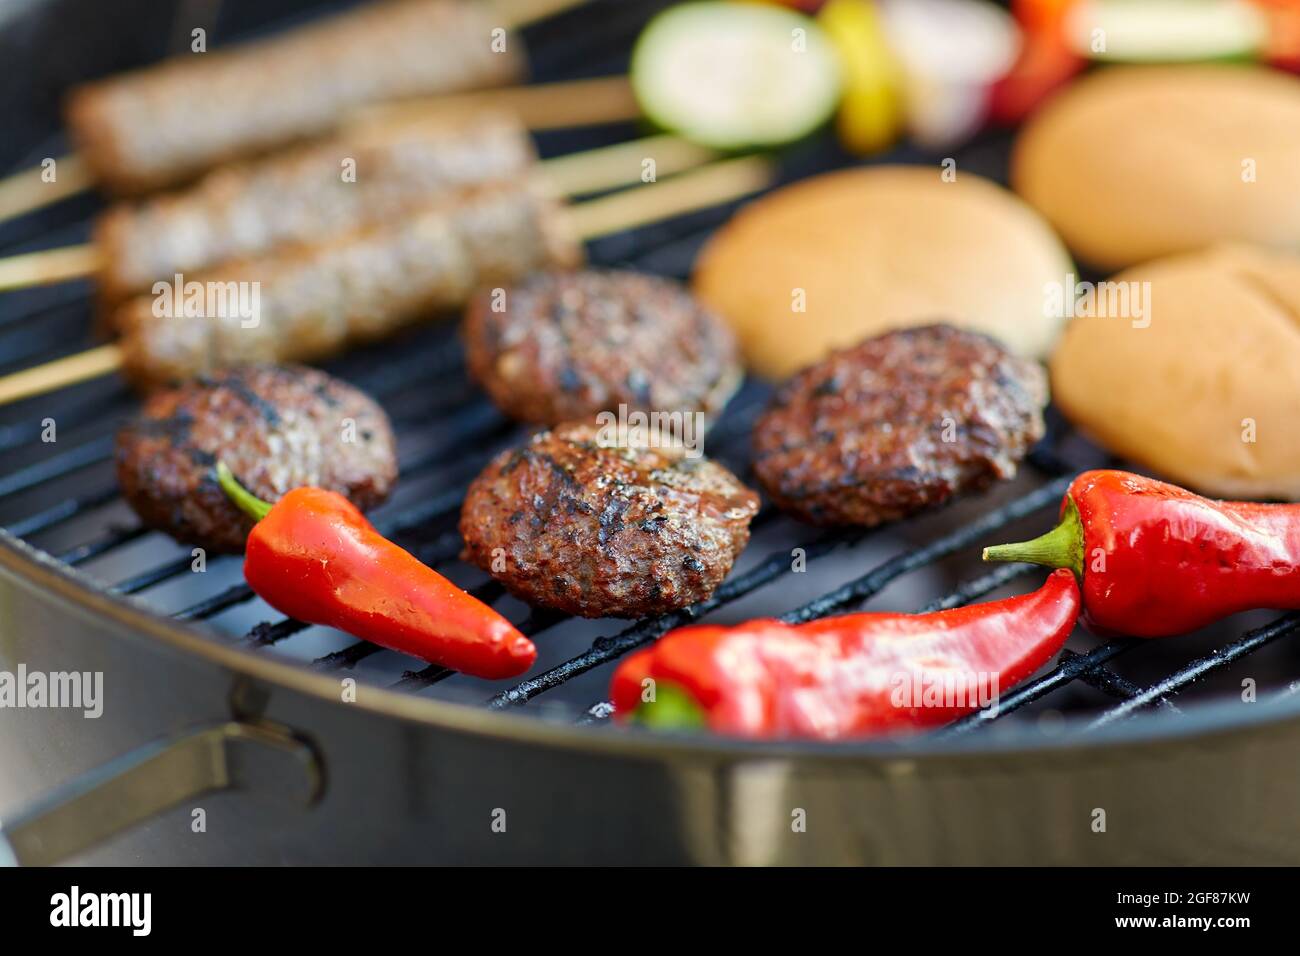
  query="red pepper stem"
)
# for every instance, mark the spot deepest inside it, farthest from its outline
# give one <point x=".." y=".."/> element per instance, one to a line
<point x="1062" y="547"/>
<point x="244" y="500"/>
<point x="672" y="709"/>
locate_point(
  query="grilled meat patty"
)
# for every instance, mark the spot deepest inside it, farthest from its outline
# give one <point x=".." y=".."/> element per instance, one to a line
<point x="566" y="346"/>
<point x="598" y="531"/>
<point x="278" y="428"/>
<point x="896" y="424"/>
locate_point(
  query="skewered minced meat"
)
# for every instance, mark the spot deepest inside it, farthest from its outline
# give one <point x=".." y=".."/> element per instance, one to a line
<point x="564" y="522"/>
<point x="276" y="427"/>
<point x="896" y="424"/>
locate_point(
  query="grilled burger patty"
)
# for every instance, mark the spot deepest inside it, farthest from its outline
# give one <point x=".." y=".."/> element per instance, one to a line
<point x="605" y="532"/>
<point x="898" y="423"/>
<point x="566" y="346"/>
<point x="278" y="428"/>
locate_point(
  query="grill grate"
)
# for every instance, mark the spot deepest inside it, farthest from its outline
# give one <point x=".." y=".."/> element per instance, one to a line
<point x="61" y="497"/>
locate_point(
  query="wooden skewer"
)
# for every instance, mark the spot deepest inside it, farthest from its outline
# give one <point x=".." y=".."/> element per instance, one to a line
<point x="26" y="191"/>
<point x="707" y="186"/>
<point x="542" y="106"/>
<point x="591" y="171"/>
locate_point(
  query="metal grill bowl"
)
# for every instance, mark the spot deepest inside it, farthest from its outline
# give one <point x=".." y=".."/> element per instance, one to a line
<point x="214" y="703"/>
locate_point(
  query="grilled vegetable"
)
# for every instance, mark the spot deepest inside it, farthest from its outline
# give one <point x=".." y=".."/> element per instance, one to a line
<point x="1045" y="63"/>
<point x="735" y="75"/>
<point x="950" y="52"/>
<point x="1166" y="31"/>
<point x="870" y="111"/>
<point x="313" y="556"/>
<point x="1155" y="560"/>
<point x="849" y="676"/>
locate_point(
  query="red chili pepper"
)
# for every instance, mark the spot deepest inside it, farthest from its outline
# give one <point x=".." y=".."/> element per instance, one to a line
<point x="1155" y="560"/>
<point x="846" y="676"/>
<point x="313" y="556"/>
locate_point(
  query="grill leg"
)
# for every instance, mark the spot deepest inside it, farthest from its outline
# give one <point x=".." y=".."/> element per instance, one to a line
<point x="254" y="757"/>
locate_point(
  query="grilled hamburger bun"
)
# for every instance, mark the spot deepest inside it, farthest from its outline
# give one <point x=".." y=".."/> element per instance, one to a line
<point x="1219" y="364"/>
<point x="875" y="249"/>
<point x="1130" y="164"/>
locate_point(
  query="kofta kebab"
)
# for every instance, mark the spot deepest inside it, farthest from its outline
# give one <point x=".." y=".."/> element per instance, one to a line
<point x="165" y="124"/>
<point x="409" y="249"/>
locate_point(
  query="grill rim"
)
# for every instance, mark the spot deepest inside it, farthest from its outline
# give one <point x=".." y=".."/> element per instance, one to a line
<point x="132" y="620"/>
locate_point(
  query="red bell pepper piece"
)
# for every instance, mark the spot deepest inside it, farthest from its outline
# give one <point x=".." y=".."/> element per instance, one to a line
<point x="313" y="556"/>
<point x="846" y="676"/>
<point x="1155" y="560"/>
<point x="1045" y="63"/>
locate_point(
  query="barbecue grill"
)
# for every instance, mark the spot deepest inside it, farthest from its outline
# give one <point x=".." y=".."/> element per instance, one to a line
<point x="299" y="744"/>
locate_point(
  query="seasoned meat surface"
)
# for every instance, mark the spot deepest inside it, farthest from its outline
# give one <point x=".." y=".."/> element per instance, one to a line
<point x="160" y="125"/>
<point x="605" y="531"/>
<point x="564" y="346"/>
<point x="896" y="424"/>
<point x="300" y="196"/>
<point x="278" y="428"/>
<point x="315" y="301"/>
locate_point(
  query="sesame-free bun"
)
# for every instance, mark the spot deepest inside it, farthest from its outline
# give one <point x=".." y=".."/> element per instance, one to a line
<point x="1132" y="163"/>
<point x="1218" y="365"/>
<point x="875" y="249"/>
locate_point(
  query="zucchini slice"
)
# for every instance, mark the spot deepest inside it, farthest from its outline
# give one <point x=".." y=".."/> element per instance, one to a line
<point x="1166" y="31"/>
<point x="735" y="75"/>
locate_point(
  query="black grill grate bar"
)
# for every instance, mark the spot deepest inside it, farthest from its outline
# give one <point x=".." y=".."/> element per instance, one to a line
<point x="56" y="466"/>
<point x="29" y="432"/>
<point x="61" y="511"/>
<point x="968" y="591"/>
<point x="609" y="648"/>
<point x="93" y="549"/>
<point x="1065" y="671"/>
<point x="1248" y="643"/>
<point x="870" y="584"/>
<point x="1108" y="682"/>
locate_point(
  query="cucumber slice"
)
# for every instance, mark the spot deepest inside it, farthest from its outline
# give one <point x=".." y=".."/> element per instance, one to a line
<point x="734" y="75"/>
<point x="1166" y="31"/>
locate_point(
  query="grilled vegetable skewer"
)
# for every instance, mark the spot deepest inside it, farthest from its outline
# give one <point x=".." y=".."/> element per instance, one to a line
<point x="433" y="259"/>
